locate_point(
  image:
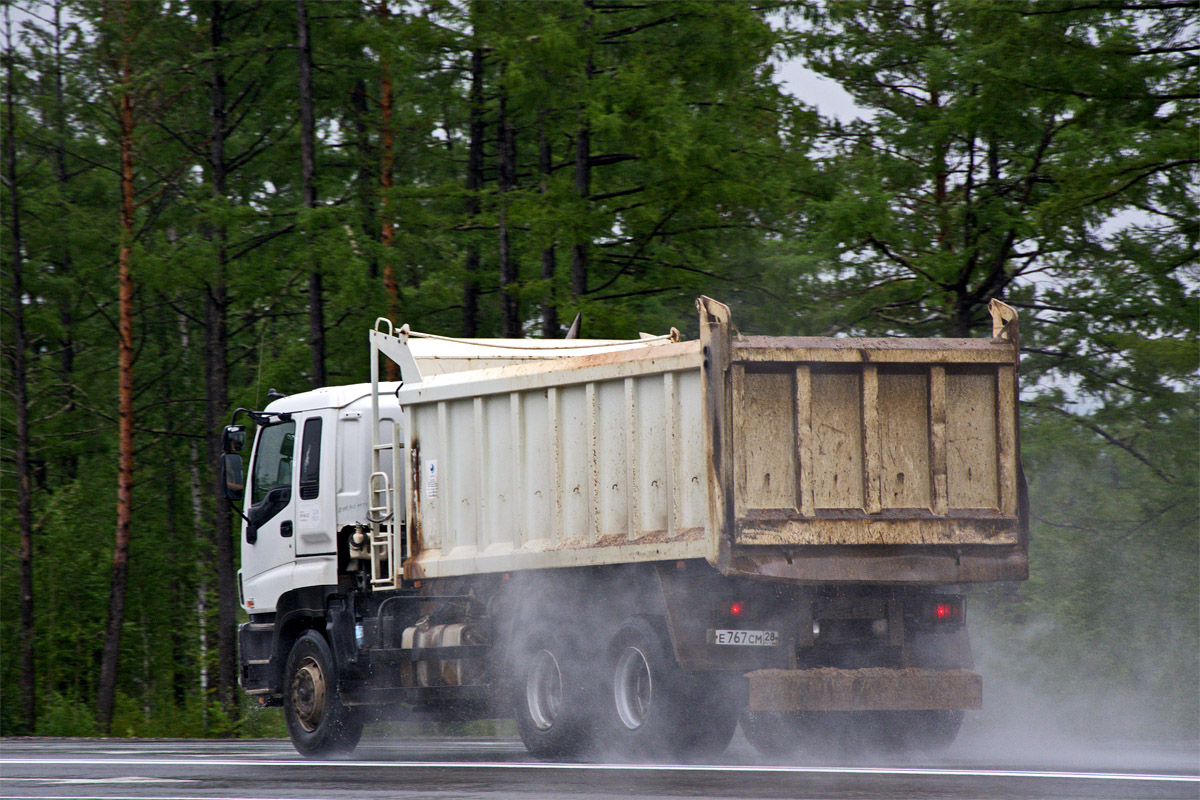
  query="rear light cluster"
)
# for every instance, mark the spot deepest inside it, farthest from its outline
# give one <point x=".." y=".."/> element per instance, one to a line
<point x="944" y="612"/>
<point x="731" y="609"/>
<point x="941" y="610"/>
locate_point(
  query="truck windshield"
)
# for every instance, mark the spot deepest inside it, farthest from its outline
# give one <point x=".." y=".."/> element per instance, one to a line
<point x="273" y="459"/>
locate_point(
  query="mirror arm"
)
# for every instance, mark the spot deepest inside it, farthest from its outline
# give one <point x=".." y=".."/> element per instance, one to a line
<point x="259" y="417"/>
<point x="233" y="507"/>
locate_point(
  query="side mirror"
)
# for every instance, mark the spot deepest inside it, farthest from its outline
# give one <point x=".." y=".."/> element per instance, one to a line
<point x="232" y="483"/>
<point x="233" y="439"/>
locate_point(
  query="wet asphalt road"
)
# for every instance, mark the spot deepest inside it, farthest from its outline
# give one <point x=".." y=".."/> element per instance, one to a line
<point x="500" y="769"/>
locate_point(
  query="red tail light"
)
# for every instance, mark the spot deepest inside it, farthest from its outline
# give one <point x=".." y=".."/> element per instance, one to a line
<point x="937" y="611"/>
<point x="737" y="608"/>
<point x="946" y="610"/>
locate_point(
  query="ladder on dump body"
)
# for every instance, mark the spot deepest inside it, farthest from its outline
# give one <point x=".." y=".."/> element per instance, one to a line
<point x="384" y="490"/>
<point x="382" y="511"/>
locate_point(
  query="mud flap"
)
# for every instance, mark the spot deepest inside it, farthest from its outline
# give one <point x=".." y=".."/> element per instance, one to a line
<point x="339" y="629"/>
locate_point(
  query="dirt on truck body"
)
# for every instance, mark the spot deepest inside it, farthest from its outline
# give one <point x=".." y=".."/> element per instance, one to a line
<point x="636" y="544"/>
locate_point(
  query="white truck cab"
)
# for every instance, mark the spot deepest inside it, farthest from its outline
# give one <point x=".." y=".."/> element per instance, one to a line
<point x="309" y="479"/>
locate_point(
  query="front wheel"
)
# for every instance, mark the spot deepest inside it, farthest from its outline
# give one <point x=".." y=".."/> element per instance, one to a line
<point x="320" y="726"/>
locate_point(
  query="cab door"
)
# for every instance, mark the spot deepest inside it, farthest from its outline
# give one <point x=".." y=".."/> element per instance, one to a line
<point x="268" y="535"/>
<point x="315" y="510"/>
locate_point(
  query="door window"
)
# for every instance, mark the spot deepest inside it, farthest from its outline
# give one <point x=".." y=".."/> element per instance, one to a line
<point x="273" y="460"/>
<point x="310" y="460"/>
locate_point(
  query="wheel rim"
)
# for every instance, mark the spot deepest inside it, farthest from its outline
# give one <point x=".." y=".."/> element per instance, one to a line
<point x="543" y="690"/>
<point x="308" y="694"/>
<point x="633" y="688"/>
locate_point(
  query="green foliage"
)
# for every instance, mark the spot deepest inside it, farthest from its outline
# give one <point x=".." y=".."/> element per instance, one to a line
<point x="1037" y="152"/>
<point x="262" y="723"/>
<point x="1042" y="153"/>
<point x="1116" y="570"/>
<point x="63" y="716"/>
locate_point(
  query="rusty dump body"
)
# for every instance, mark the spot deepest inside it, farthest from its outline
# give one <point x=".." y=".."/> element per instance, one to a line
<point x="872" y="460"/>
<point x="807" y="460"/>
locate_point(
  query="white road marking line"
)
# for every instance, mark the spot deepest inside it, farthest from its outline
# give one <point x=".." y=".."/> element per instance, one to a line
<point x="147" y="797"/>
<point x="948" y="772"/>
<point x="126" y="779"/>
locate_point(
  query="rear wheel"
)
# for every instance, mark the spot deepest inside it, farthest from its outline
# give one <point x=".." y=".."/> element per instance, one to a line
<point x="320" y="726"/>
<point x="771" y="733"/>
<point x="656" y="708"/>
<point x="715" y="721"/>
<point x="837" y="733"/>
<point x="907" y="731"/>
<point x="553" y="696"/>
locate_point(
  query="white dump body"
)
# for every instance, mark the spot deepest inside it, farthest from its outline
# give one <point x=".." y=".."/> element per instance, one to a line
<point x="556" y="464"/>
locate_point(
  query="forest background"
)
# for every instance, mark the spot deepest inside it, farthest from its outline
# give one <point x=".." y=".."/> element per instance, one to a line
<point x="206" y="200"/>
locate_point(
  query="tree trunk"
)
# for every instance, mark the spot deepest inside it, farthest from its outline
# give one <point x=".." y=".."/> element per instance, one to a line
<point x="66" y="362"/>
<point x="199" y="523"/>
<point x="386" y="167"/>
<point x="20" y="388"/>
<point x="179" y="658"/>
<point x="308" y="169"/>
<point x="201" y="582"/>
<point x="216" y="391"/>
<point x="368" y="209"/>
<point x="550" y="328"/>
<point x="506" y="176"/>
<point x="583" y="172"/>
<point x="474" y="184"/>
<point x="583" y="183"/>
<point x="120" y="564"/>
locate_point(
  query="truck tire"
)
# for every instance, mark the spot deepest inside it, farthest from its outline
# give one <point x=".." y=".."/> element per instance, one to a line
<point x="914" y="731"/>
<point x="553" y="695"/>
<point x="773" y="734"/>
<point x="777" y="735"/>
<point x="320" y="726"/>
<point x="714" y="721"/>
<point x="656" y="709"/>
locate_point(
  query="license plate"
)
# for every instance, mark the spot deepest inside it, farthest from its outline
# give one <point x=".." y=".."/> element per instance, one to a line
<point x="744" y="638"/>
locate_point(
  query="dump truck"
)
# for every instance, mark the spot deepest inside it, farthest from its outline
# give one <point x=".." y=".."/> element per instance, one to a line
<point x="632" y="546"/>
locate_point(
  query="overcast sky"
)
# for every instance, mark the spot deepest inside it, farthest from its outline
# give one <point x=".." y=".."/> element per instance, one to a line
<point x="829" y="98"/>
